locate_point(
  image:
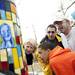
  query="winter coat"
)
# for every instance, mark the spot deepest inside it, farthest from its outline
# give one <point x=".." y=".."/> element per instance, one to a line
<point x="62" y="61"/>
<point x="45" y="67"/>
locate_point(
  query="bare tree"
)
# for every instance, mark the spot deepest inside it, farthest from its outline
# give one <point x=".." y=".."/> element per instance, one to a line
<point x="65" y="10"/>
<point x="69" y="7"/>
<point x="34" y="32"/>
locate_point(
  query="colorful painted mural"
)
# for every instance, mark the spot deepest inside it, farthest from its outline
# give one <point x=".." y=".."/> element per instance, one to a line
<point x="12" y="56"/>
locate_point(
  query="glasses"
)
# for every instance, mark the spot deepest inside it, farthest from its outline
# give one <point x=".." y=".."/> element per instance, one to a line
<point x="50" y="32"/>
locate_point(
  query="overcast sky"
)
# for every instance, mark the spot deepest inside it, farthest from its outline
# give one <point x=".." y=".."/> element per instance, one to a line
<point x="35" y="16"/>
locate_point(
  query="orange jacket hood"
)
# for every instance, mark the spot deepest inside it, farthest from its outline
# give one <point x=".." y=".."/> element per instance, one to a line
<point x="57" y="51"/>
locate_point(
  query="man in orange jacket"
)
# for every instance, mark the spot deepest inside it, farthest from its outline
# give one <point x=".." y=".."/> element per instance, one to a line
<point x="62" y="61"/>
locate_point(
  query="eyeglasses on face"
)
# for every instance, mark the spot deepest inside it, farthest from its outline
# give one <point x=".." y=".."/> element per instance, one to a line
<point x="50" y="32"/>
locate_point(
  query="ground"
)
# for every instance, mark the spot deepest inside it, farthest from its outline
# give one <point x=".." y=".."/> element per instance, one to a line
<point x="35" y="69"/>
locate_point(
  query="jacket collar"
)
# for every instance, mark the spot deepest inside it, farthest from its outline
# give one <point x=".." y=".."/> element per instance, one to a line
<point x="58" y="38"/>
<point x="58" y="51"/>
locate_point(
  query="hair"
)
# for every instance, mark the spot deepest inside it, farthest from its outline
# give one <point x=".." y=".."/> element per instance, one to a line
<point x="33" y="42"/>
<point x="52" y="26"/>
<point x="57" y="22"/>
<point x="45" y="45"/>
<point x="68" y="21"/>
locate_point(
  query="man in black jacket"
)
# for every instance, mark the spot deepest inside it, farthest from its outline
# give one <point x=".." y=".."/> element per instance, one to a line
<point x="52" y="36"/>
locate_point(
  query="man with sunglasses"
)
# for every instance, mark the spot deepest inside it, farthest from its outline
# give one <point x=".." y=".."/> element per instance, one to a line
<point x="54" y="40"/>
<point x="52" y="36"/>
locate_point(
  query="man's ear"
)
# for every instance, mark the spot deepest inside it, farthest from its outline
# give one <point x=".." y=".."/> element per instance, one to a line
<point x="48" y="50"/>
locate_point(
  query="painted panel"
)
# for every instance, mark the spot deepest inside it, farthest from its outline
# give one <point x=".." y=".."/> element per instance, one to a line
<point x="7" y="6"/>
<point x="5" y="65"/>
<point x="13" y="8"/>
<point x="11" y="67"/>
<point x="18" y="71"/>
<point x="2" y="15"/>
<point x="15" y="58"/>
<point x="17" y="30"/>
<point x="8" y="15"/>
<point x="1" y="4"/>
<point x="17" y="39"/>
<point x="21" y="62"/>
<point x="23" y="72"/>
<point x="19" y="50"/>
<point x="13" y="17"/>
<point x="6" y="34"/>
<point x="0" y="66"/>
<point x="3" y="55"/>
<point x="10" y="57"/>
<point x="11" y="51"/>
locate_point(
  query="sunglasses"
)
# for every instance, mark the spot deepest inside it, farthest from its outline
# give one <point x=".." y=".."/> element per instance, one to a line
<point x="51" y="32"/>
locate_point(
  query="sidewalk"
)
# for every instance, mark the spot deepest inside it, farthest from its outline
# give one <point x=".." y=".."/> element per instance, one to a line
<point x="35" y="69"/>
<point x="2" y="74"/>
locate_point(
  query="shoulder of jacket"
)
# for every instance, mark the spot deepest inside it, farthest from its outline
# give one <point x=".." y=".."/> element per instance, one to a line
<point x="44" y="39"/>
<point x="58" y="37"/>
